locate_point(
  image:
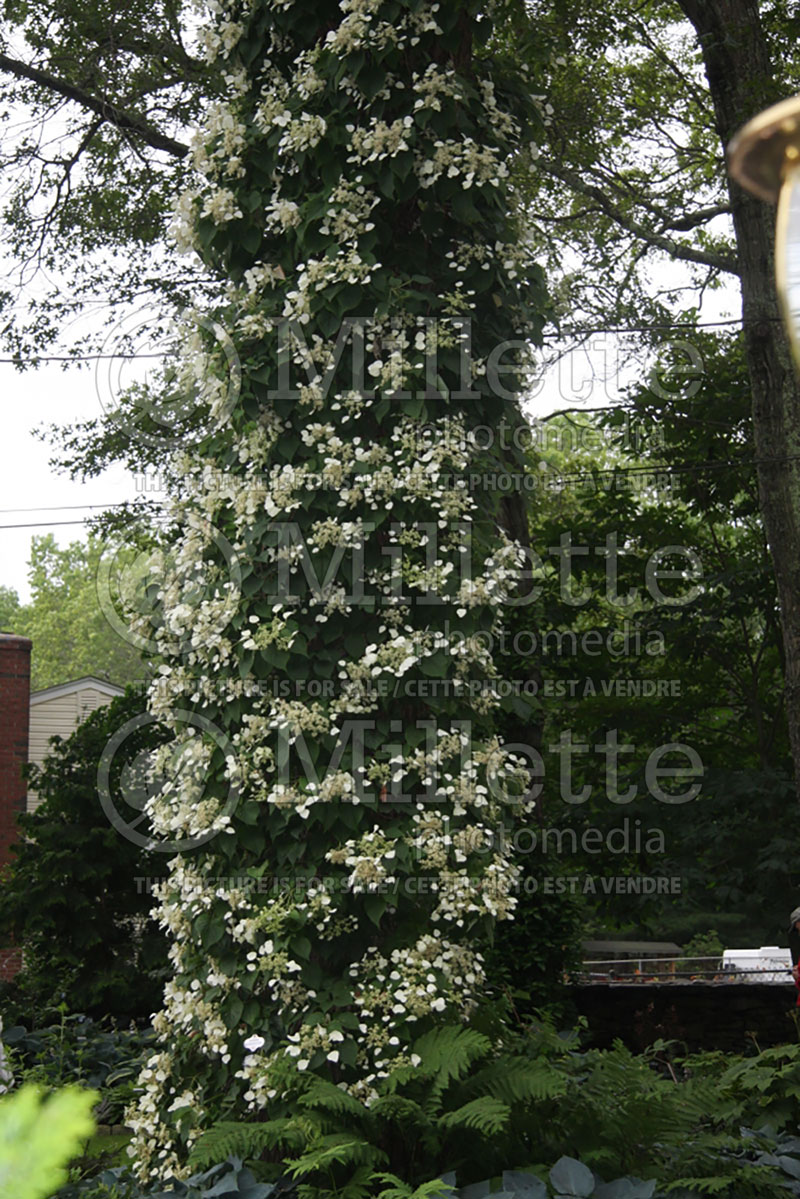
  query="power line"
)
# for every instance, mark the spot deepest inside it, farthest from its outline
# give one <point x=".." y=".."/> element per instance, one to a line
<point x="670" y="468"/>
<point x="559" y="336"/>
<point x="45" y="524"/>
<point x="663" y="468"/>
<point x="579" y="476"/>
<point x="63" y="507"/>
<point x="734" y="320"/>
<point x="71" y="358"/>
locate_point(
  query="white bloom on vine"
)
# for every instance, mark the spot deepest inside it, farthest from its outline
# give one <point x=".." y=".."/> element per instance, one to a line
<point x="283" y="214"/>
<point x="221" y="206"/>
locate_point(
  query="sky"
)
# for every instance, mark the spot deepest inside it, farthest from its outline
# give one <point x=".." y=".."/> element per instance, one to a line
<point x="31" y="491"/>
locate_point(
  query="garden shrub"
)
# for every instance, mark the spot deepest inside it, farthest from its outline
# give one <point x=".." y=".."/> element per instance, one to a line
<point x="229" y="1178"/>
<point x="81" y="1051"/>
<point x="71" y="896"/>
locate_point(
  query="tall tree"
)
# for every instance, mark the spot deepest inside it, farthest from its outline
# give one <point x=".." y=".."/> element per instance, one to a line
<point x="742" y="81"/>
<point x="620" y="658"/>
<point x="96" y="100"/>
<point x="326" y="934"/>
<point x="643" y="104"/>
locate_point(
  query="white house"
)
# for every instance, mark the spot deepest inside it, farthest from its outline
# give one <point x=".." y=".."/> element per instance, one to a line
<point x="57" y="712"/>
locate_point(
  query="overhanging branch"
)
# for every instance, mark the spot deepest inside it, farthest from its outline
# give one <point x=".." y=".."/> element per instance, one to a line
<point x="676" y="249"/>
<point x="99" y="105"/>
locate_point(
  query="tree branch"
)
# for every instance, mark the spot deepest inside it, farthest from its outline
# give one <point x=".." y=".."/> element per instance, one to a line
<point x="721" y="262"/>
<point x="99" y="105"/>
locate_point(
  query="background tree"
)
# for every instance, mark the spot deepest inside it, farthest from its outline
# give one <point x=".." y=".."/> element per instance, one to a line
<point x="77" y="895"/>
<point x="9" y="609"/>
<point x="71" y="634"/>
<point x="713" y="681"/>
<point x="642" y="106"/>
<point x="96" y="101"/>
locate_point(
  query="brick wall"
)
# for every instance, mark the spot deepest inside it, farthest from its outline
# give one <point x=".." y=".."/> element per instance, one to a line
<point x="10" y="964"/>
<point x="15" y="676"/>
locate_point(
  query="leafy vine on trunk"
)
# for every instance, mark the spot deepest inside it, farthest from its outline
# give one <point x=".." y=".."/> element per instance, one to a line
<point x="342" y="556"/>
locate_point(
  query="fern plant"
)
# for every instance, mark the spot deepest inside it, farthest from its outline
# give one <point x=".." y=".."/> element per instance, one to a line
<point x="657" y="1128"/>
<point x="462" y="1104"/>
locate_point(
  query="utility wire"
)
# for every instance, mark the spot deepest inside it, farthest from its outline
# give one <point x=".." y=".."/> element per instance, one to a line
<point x="62" y="507"/>
<point x="72" y="358"/>
<point x="46" y="524"/>
<point x="560" y="336"/>
<point x="663" y="468"/>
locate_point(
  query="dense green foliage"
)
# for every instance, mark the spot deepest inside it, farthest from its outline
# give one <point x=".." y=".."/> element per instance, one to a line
<point x="71" y="634"/>
<point x="349" y="874"/>
<point x="78" y="1051"/>
<point x="601" y="1123"/>
<point x="228" y="1178"/>
<point x="38" y="1136"/>
<point x="71" y="895"/>
<point x="611" y="651"/>
<point x="687" y="1125"/>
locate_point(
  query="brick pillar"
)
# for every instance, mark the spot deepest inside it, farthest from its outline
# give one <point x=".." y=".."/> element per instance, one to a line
<point x="15" y="689"/>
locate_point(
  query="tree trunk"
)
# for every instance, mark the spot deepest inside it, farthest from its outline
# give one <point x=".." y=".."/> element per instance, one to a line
<point x="741" y="83"/>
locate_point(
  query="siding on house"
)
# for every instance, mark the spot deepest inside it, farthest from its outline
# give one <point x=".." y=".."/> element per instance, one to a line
<point x="57" y="712"/>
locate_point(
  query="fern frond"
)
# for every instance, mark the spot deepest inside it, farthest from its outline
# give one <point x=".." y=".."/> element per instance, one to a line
<point x="744" y="1182"/>
<point x="325" y="1096"/>
<point x="447" y="1053"/>
<point x="398" y="1108"/>
<point x="520" y="1081"/>
<point x="402" y="1190"/>
<point x="235" y="1138"/>
<point x="486" y="1115"/>
<point x="335" y="1149"/>
<point x="360" y="1185"/>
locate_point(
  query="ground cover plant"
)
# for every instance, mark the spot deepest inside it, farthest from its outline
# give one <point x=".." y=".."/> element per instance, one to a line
<point x="81" y="1051"/>
<point x="617" y="1126"/>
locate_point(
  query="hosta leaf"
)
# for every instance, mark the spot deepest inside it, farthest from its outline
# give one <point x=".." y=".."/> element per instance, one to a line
<point x="524" y="1186"/>
<point x="571" y="1177"/>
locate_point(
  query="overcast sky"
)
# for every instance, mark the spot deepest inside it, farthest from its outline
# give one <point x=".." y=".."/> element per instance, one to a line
<point x="27" y="481"/>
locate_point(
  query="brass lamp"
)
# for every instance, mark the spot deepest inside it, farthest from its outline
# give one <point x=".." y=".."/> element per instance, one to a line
<point x="764" y="157"/>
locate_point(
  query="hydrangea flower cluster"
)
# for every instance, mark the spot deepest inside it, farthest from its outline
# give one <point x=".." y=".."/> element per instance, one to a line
<point x="356" y="205"/>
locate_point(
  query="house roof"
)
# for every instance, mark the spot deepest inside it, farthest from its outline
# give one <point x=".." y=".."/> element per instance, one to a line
<point x="632" y="948"/>
<point x="89" y="680"/>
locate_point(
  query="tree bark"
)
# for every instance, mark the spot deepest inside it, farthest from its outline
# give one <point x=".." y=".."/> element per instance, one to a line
<point x="741" y="83"/>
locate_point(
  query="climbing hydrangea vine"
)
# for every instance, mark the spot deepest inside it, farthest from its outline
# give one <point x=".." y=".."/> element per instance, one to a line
<point x="325" y="609"/>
